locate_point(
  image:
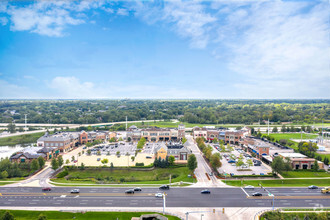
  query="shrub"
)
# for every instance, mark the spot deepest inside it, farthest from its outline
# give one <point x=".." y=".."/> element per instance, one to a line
<point x="139" y="164"/>
<point x="62" y="174"/>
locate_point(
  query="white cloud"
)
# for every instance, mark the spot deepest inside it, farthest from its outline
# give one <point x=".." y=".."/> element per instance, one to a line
<point x="71" y="87"/>
<point x="282" y="47"/>
<point x="122" y="11"/>
<point x="12" y="91"/>
<point x="49" y="18"/>
<point x="188" y="19"/>
<point x="3" y="20"/>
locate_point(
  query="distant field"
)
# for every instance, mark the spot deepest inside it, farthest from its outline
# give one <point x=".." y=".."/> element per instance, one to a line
<point x="280" y="182"/>
<point x="289" y="136"/>
<point x="302" y="174"/>
<point x="27" y="215"/>
<point x="20" y="139"/>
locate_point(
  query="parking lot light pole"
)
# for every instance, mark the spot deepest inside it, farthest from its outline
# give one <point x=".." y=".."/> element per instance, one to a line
<point x="164" y="203"/>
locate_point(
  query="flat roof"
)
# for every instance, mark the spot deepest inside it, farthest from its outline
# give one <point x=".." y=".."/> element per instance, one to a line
<point x="292" y="155"/>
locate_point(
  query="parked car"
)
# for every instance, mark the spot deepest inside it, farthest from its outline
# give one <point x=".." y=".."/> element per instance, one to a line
<point x="75" y="191"/>
<point x="148" y="157"/>
<point x="46" y="189"/>
<point x="249" y="187"/>
<point x="210" y="174"/>
<point x="231" y="161"/>
<point x="257" y="194"/>
<point x="205" y="191"/>
<point x="313" y="187"/>
<point x="159" y="195"/>
<point x="164" y="187"/>
<point x="137" y="189"/>
<point x="129" y="191"/>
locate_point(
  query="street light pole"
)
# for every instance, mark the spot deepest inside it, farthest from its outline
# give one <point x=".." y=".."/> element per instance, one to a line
<point x="164" y="203"/>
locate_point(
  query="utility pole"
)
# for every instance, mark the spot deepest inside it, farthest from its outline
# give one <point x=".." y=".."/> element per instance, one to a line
<point x="25" y="121"/>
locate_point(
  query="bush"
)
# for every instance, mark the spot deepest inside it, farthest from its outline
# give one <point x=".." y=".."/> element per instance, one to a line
<point x="139" y="164"/>
<point x="62" y="174"/>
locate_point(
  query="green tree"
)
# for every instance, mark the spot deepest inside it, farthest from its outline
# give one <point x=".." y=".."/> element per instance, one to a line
<point x="88" y="144"/>
<point x="89" y="152"/>
<point x="118" y="153"/>
<point x="132" y="158"/>
<point x="141" y="143"/>
<point x="54" y="164"/>
<point x="207" y="153"/>
<point x="42" y="217"/>
<point x="184" y="140"/>
<point x="316" y="166"/>
<point x="34" y="165"/>
<point x="4" y="174"/>
<point x="277" y="165"/>
<point x="171" y="160"/>
<point x="239" y="162"/>
<point x="67" y="161"/>
<point x="192" y="162"/>
<point x="11" y="128"/>
<point x="41" y="162"/>
<point x="215" y="140"/>
<point x="60" y="160"/>
<point x="249" y="162"/>
<point x="215" y="161"/>
<point x="113" y="139"/>
<point x="105" y="161"/>
<point x="274" y="129"/>
<point x="72" y="158"/>
<point x="8" y="216"/>
<point x="82" y="166"/>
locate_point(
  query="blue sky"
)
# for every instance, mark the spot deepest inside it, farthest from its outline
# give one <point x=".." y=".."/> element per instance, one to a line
<point x="164" y="49"/>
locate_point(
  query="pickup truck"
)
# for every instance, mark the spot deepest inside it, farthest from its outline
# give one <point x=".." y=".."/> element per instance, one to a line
<point x="325" y="190"/>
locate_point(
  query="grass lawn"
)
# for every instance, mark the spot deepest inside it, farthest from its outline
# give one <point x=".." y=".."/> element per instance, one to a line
<point x="20" y="139"/>
<point x="294" y="215"/>
<point x="22" y="215"/>
<point x="289" y="136"/>
<point x="126" y="176"/>
<point x="280" y="182"/>
<point x="302" y="174"/>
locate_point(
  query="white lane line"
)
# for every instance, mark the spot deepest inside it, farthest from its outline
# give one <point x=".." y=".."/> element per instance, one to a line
<point x="32" y="203"/>
<point x="83" y="203"/>
<point x="7" y="203"/>
<point x="109" y="203"/>
<point x="63" y="196"/>
<point x="261" y="203"/>
<point x="133" y="203"/>
<point x="35" y="200"/>
<point x="84" y="200"/>
<point x="56" y="203"/>
<point x="245" y="192"/>
<point x="11" y="200"/>
<point x="109" y="200"/>
<point x="287" y="203"/>
<point x="308" y="200"/>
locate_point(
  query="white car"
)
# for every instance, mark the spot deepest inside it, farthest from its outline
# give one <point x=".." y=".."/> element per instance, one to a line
<point x="159" y="195"/>
<point x="249" y="187"/>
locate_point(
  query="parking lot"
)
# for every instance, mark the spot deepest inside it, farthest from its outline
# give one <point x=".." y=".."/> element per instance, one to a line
<point x="229" y="160"/>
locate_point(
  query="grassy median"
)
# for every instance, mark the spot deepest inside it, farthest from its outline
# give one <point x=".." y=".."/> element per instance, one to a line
<point x="304" y="174"/>
<point x="20" y="139"/>
<point x="25" y="215"/>
<point x="280" y="182"/>
<point x="126" y="176"/>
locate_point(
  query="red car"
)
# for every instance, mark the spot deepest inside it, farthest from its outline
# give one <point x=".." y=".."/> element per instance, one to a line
<point x="46" y="189"/>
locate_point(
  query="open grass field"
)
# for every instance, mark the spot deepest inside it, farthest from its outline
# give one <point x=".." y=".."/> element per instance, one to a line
<point x="289" y="136"/>
<point x="28" y="215"/>
<point x="295" y="215"/>
<point x="280" y="182"/>
<point x="128" y="176"/>
<point x="303" y="174"/>
<point x="20" y="139"/>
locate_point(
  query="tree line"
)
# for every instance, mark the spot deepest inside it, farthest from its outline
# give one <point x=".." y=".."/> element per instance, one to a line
<point x="192" y="111"/>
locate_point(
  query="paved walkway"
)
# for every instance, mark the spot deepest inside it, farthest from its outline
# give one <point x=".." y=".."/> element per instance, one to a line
<point x="202" y="168"/>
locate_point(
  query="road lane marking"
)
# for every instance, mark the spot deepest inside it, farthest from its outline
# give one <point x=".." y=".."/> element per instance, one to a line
<point x="245" y="192"/>
<point x="63" y="196"/>
<point x="109" y="203"/>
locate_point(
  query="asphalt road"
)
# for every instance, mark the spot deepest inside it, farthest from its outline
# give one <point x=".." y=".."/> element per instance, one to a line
<point x="176" y="197"/>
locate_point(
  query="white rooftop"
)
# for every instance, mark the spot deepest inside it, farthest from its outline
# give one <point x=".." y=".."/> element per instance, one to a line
<point x="292" y="155"/>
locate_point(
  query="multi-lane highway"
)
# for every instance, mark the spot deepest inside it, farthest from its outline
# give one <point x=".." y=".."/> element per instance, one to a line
<point x="176" y="197"/>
